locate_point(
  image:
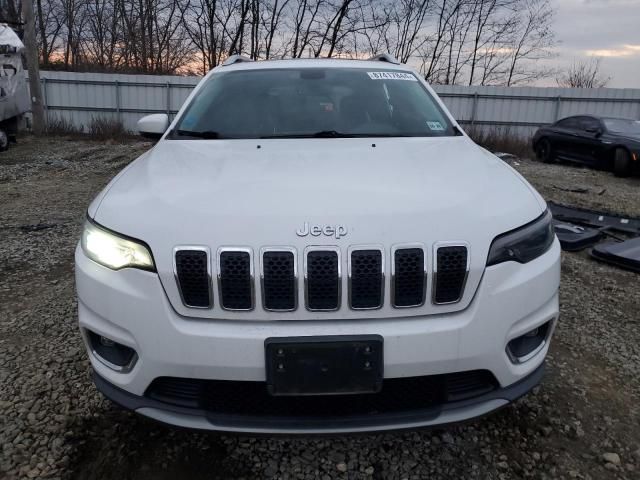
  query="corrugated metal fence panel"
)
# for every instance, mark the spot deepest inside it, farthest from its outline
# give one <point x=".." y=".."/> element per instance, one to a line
<point x="80" y="97"/>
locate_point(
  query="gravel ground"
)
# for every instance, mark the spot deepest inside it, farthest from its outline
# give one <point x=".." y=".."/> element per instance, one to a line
<point x="582" y="422"/>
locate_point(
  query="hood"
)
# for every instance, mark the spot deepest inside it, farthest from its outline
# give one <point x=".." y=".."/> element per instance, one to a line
<point x="258" y="193"/>
<point x="634" y="137"/>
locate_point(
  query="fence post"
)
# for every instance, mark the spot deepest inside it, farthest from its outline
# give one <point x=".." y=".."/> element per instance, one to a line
<point x="474" y="107"/>
<point x="45" y="104"/>
<point x="556" y="115"/>
<point x="168" y="99"/>
<point x="118" y="116"/>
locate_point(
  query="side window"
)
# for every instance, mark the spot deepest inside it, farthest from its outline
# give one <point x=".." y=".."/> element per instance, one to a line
<point x="588" y="123"/>
<point x="570" y="123"/>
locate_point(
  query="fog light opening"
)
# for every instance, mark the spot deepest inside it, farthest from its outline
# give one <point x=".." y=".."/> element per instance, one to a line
<point x="526" y="346"/>
<point x="106" y="342"/>
<point x="114" y="355"/>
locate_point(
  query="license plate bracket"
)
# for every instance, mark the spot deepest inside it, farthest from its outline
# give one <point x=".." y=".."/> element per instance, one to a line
<point x="326" y="365"/>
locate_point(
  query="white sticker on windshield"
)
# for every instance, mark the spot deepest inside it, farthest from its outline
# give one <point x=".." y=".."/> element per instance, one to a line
<point x="437" y="126"/>
<point x="391" y="76"/>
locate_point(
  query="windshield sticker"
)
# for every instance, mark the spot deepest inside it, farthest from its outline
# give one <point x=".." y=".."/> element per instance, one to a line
<point x="436" y="126"/>
<point x="391" y="76"/>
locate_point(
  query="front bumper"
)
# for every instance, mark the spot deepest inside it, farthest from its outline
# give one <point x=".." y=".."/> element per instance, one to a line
<point x="131" y="307"/>
<point x="447" y="413"/>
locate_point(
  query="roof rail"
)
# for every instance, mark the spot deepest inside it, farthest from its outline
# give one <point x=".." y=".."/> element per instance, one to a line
<point x="235" y="59"/>
<point x="384" y="57"/>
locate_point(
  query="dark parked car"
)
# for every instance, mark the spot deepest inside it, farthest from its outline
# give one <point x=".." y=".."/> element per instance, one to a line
<point x="605" y="143"/>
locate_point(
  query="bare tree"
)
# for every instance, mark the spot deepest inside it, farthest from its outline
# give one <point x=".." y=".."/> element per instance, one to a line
<point x="104" y="34"/>
<point x="50" y="15"/>
<point x="434" y="50"/>
<point x="205" y="30"/>
<point x="335" y="15"/>
<point x="533" y="39"/>
<point x="453" y="41"/>
<point x="399" y="27"/>
<point x="10" y="12"/>
<point x="154" y="36"/>
<point x="271" y="23"/>
<point x="584" y="74"/>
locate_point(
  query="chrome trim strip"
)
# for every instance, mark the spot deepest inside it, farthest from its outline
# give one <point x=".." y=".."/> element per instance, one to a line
<point x="248" y="250"/>
<point x="120" y="369"/>
<point x="403" y="246"/>
<point x="197" y="248"/>
<point x="355" y="248"/>
<point x="434" y="283"/>
<point x="292" y="250"/>
<point x="321" y="248"/>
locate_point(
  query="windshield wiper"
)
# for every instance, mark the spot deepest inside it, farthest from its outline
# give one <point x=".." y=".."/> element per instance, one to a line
<point x="333" y="134"/>
<point x="207" y="134"/>
<point x="320" y="134"/>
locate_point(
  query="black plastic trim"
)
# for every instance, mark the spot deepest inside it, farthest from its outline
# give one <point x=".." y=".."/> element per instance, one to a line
<point x="286" y="424"/>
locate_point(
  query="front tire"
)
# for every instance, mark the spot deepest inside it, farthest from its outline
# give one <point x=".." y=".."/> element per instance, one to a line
<point x="4" y="141"/>
<point x="621" y="163"/>
<point x="544" y="151"/>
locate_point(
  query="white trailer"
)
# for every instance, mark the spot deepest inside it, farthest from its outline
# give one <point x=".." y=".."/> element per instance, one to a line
<point x="14" y="95"/>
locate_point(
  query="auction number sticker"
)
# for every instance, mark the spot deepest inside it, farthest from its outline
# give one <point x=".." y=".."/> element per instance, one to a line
<point x="436" y="126"/>
<point x="391" y="76"/>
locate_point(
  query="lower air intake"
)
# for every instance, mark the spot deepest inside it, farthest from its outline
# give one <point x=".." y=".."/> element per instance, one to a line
<point x="221" y="397"/>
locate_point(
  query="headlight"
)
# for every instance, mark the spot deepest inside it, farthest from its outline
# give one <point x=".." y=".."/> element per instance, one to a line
<point x="523" y="244"/>
<point x="114" y="251"/>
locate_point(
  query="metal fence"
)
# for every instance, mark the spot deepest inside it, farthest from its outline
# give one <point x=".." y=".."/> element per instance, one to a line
<point x="81" y="97"/>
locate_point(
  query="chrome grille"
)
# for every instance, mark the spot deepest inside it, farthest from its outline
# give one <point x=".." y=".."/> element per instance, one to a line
<point x="321" y="269"/>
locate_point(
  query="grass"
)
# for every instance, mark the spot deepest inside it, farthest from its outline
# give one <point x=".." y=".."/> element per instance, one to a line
<point x="501" y="140"/>
<point x="103" y="128"/>
<point x="61" y="126"/>
<point x="99" y="128"/>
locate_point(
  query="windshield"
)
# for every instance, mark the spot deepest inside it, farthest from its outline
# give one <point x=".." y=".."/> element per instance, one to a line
<point x="312" y="102"/>
<point x="621" y="125"/>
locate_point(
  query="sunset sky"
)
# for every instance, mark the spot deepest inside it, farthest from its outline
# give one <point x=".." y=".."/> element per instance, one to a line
<point x="606" y="28"/>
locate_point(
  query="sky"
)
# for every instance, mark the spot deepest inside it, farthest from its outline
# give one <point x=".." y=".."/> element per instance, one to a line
<point x="609" y="29"/>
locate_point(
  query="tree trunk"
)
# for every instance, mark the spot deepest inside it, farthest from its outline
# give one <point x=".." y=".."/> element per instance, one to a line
<point x="31" y="53"/>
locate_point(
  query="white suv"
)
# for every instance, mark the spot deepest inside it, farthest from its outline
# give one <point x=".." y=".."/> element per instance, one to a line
<point x="315" y="246"/>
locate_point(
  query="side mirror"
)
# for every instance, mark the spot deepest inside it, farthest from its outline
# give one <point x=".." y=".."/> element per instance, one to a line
<point x="153" y="126"/>
<point x="597" y="131"/>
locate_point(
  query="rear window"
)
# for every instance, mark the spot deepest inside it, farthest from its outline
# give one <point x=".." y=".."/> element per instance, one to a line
<point x="571" y="122"/>
<point x="308" y="102"/>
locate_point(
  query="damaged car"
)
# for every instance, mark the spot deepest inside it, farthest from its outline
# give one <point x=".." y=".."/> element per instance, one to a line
<point x="601" y="142"/>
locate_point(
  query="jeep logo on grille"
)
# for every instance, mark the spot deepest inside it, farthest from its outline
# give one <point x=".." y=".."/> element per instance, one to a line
<point x="317" y="230"/>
